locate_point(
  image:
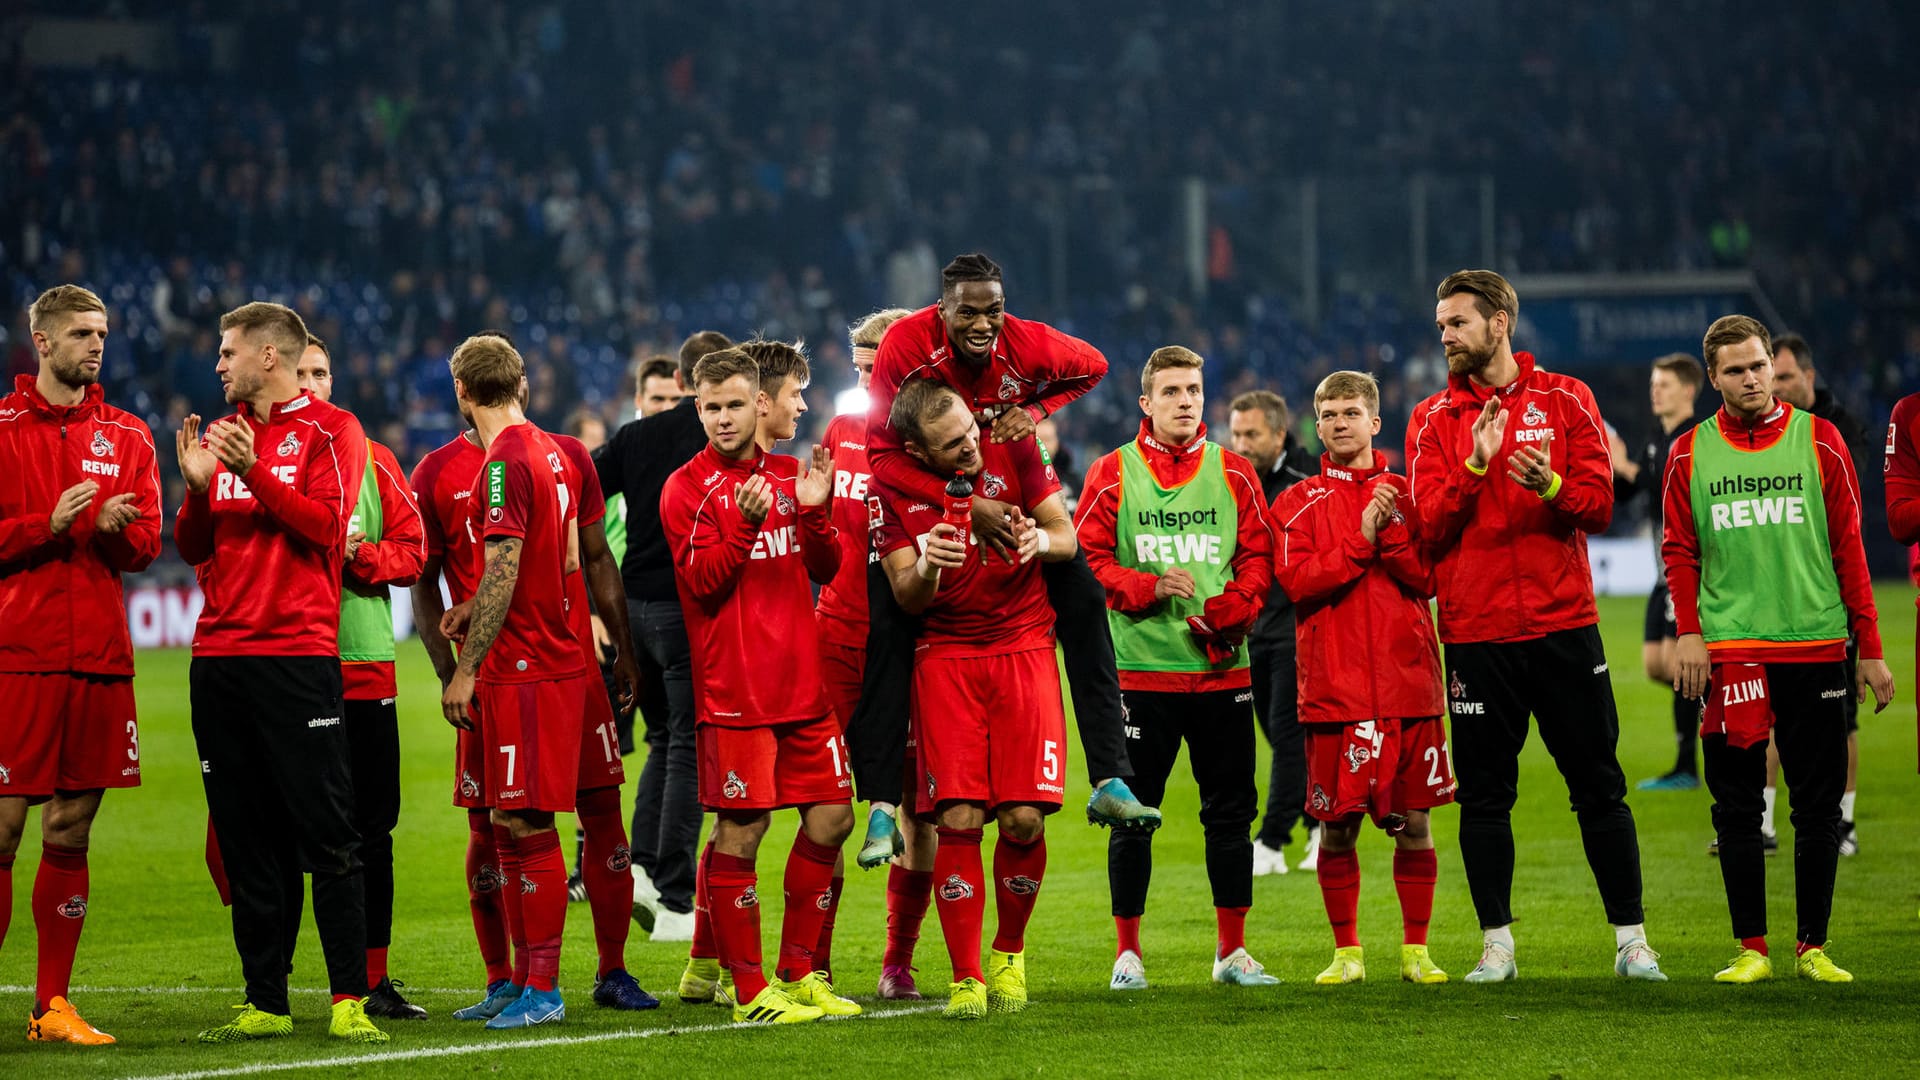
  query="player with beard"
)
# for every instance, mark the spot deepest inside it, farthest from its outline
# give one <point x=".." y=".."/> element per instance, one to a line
<point x="986" y="688"/>
<point x="1508" y="468"/>
<point x="79" y="506"/>
<point x="1012" y="374"/>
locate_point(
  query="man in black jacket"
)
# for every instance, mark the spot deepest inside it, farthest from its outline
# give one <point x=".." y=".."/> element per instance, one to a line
<point x="635" y="463"/>
<point x="1259" y="430"/>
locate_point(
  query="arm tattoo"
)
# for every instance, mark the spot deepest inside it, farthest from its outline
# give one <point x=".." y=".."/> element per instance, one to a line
<point x="490" y="601"/>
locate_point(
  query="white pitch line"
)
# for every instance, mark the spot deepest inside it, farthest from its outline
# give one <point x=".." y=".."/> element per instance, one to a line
<point x="436" y="990"/>
<point x="503" y="1044"/>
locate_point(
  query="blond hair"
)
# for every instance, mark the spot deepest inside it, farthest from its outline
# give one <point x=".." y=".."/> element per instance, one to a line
<point x="490" y="369"/>
<point x="1342" y="385"/>
<point x="1732" y="330"/>
<point x="62" y="300"/>
<point x="277" y="324"/>
<point x="722" y="364"/>
<point x="866" y="333"/>
<point x="1164" y="358"/>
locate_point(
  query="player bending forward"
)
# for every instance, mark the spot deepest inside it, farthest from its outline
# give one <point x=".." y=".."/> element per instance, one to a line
<point x="747" y="530"/>
<point x="1376" y="745"/>
<point x="987" y="712"/>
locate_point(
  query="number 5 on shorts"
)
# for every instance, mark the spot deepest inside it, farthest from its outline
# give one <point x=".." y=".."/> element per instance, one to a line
<point x="1050" y="760"/>
<point x="512" y="754"/>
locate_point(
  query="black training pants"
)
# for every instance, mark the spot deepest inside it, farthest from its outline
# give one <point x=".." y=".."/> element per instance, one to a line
<point x="1276" y="700"/>
<point x="666" y="809"/>
<point x="877" y="734"/>
<point x="1810" y="730"/>
<point x="1217" y="727"/>
<point x="275" y="761"/>
<point x="373" y="748"/>
<point x="1561" y="680"/>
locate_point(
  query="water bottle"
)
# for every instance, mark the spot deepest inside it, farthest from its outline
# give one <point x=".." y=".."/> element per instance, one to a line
<point x="958" y="511"/>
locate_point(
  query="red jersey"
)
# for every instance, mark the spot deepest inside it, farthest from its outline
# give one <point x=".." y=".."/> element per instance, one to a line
<point x="268" y="546"/>
<point x="1902" y="467"/>
<point x="1367" y="649"/>
<point x="61" y="594"/>
<point x="593" y="509"/>
<point x="843" y="607"/>
<point x="1508" y="564"/>
<point x="395" y="560"/>
<point x="443" y="486"/>
<point x="988" y="606"/>
<point x="1839" y="490"/>
<point x="1130" y="590"/>
<point x="1032" y="365"/>
<point x="528" y="491"/>
<point x="744" y="591"/>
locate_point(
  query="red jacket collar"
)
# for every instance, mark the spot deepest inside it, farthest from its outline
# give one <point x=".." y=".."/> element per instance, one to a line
<point x="302" y="400"/>
<point x="29" y="387"/>
<point x="1348" y="474"/>
<point x="715" y="459"/>
<point x="1771" y="423"/>
<point x="1160" y="453"/>
<point x="1462" y="388"/>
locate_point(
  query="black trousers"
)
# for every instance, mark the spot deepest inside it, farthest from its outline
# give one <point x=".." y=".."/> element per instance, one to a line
<point x="373" y="748"/>
<point x="1218" y="729"/>
<point x="276" y="765"/>
<point x="666" y="806"/>
<point x="1276" y="700"/>
<point x="877" y="734"/>
<point x="1561" y="680"/>
<point x="1810" y="730"/>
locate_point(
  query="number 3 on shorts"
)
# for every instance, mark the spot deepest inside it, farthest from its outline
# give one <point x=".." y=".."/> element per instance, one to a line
<point x="511" y="752"/>
<point x="1050" y="760"/>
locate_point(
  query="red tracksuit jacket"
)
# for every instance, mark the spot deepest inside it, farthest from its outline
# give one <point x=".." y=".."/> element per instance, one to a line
<point x="395" y="560"/>
<point x="1131" y="590"/>
<point x="1839" y="490"/>
<point x="268" y="546"/>
<point x="1509" y="565"/>
<point x="61" y="595"/>
<point x="744" y="591"/>
<point x="1032" y="365"/>
<point x="1367" y="650"/>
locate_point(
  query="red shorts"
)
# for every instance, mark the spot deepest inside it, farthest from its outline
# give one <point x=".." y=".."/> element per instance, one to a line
<point x="991" y="729"/>
<point x="531" y="741"/>
<point x="1377" y="767"/>
<point x="770" y="768"/>
<point x="841" y="667"/>
<point x="65" y="732"/>
<point x="470" y="762"/>
<point x="600" y="764"/>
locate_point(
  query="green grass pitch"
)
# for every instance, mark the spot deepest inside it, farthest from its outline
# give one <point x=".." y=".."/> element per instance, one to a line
<point x="157" y="963"/>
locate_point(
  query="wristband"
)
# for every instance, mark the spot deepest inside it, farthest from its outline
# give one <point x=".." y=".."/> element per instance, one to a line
<point x="1553" y="488"/>
<point x="1481" y="471"/>
<point x="1046" y="542"/>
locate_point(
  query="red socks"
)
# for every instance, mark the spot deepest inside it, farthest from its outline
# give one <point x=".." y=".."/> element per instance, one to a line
<point x="808" y="885"/>
<point x="6" y="896"/>
<point x="1340" y="888"/>
<point x="1018" y="867"/>
<point x="1759" y="945"/>
<point x="543" y="905"/>
<point x="511" y="897"/>
<point x="376" y="968"/>
<point x="1232" y="923"/>
<point x="703" y="944"/>
<point x="607" y="871"/>
<point x="59" y="913"/>
<point x="960" y="891"/>
<point x="823" y="952"/>
<point x="1414" y="873"/>
<point x="486" y="898"/>
<point x="1127" y="929"/>
<point x="908" y="894"/>
<point x="734" y="907"/>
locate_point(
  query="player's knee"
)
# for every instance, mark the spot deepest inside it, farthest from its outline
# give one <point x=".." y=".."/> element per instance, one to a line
<point x="1418" y="832"/>
<point x="1339" y="836"/>
<point x="962" y="815"/>
<point x="1023" y="823"/>
<point x="67" y="819"/>
<point x="828" y="824"/>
